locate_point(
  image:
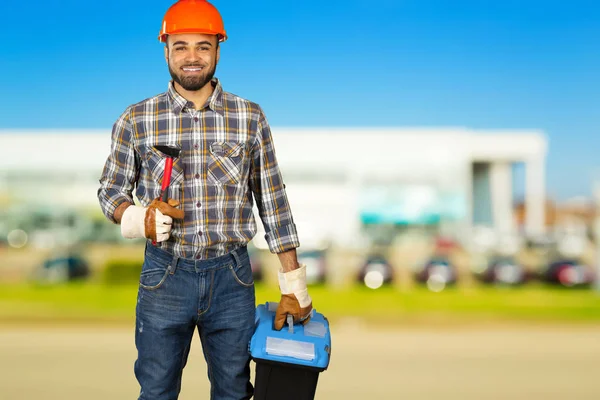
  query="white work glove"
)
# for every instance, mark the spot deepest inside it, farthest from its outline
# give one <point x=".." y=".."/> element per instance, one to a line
<point x="295" y="300"/>
<point x="152" y="222"/>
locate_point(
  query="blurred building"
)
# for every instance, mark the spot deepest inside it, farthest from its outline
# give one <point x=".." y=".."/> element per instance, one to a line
<point x="345" y="184"/>
<point x="573" y="217"/>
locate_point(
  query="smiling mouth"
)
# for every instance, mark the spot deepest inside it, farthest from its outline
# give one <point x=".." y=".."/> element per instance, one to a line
<point x="192" y="69"/>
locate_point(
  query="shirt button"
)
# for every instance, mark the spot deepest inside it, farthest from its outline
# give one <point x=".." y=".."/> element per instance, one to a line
<point x="197" y="176"/>
<point x="196" y="146"/>
<point x="198" y="204"/>
<point x="198" y="257"/>
<point x="196" y="119"/>
<point x="199" y="233"/>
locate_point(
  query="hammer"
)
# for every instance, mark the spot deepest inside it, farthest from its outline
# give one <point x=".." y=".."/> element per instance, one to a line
<point x="171" y="153"/>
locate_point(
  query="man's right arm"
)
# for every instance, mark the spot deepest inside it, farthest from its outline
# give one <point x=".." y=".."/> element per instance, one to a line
<point x="118" y="214"/>
<point x="120" y="171"/>
<point x="116" y="187"/>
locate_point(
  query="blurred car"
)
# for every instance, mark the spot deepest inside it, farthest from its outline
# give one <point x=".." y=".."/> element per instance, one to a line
<point x="437" y="274"/>
<point x="568" y="273"/>
<point x="60" y="269"/>
<point x="315" y="266"/>
<point x="504" y="271"/>
<point x="376" y="272"/>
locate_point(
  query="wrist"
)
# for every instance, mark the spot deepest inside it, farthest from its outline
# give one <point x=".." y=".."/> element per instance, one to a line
<point x="290" y="267"/>
<point x="118" y="214"/>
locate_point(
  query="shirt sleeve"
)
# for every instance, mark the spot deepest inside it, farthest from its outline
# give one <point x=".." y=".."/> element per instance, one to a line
<point x="120" y="170"/>
<point x="267" y="185"/>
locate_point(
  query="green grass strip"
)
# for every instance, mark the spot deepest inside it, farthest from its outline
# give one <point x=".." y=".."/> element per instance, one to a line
<point x="88" y="303"/>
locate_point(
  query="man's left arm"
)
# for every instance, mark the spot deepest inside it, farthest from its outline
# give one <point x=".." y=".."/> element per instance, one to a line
<point x="267" y="185"/>
<point x="288" y="260"/>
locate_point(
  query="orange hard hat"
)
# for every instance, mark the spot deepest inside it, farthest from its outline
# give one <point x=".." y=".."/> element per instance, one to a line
<point x="192" y="16"/>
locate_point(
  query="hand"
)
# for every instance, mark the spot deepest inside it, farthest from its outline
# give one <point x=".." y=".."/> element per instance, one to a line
<point x="295" y="300"/>
<point x="152" y="222"/>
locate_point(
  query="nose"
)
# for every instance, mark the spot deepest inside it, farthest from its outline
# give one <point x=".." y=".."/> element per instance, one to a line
<point x="192" y="56"/>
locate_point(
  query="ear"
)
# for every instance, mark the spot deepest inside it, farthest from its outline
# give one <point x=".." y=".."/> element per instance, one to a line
<point x="167" y="54"/>
<point x="218" y="53"/>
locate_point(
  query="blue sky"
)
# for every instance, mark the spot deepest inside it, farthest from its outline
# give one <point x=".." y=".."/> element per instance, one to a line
<point x="480" y="64"/>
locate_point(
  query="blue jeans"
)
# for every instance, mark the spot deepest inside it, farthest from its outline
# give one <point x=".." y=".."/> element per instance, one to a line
<point x="178" y="295"/>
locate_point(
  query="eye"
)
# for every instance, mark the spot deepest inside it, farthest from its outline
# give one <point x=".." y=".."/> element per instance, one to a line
<point x="204" y="48"/>
<point x="180" y="48"/>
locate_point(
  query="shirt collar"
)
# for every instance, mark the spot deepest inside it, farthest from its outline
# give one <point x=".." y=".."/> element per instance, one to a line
<point x="214" y="102"/>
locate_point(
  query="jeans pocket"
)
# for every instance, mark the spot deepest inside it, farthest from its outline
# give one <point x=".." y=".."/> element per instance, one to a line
<point x="242" y="273"/>
<point x="153" y="274"/>
<point x="160" y="276"/>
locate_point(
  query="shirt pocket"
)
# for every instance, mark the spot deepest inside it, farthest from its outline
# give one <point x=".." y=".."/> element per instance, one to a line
<point x="155" y="163"/>
<point x="225" y="162"/>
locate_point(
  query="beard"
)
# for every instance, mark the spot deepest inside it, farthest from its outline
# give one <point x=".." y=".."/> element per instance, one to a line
<point x="193" y="83"/>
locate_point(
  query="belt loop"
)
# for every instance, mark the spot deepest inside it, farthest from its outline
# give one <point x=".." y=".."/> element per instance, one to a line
<point x="236" y="257"/>
<point x="173" y="266"/>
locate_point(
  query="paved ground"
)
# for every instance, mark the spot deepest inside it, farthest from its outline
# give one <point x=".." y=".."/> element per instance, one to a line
<point x="508" y="362"/>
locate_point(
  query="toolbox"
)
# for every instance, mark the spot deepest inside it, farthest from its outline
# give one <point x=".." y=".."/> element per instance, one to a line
<point x="288" y="362"/>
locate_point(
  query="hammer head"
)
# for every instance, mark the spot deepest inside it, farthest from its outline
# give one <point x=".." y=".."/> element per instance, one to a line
<point x="169" y="151"/>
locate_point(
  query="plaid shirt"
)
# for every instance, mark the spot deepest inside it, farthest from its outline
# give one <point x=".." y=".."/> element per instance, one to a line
<point x="227" y="154"/>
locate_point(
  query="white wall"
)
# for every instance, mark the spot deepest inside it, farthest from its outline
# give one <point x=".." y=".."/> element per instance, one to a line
<point x="343" y="160"/>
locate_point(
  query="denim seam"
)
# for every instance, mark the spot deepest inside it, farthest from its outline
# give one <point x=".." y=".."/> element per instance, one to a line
<point x="173" y="266"/>
<point x="236" y="258"/>
<point x="209" y="365"/>
<point x="238" y="263"/>
<point x="244" y="284"/>
<point x="159" y="284"/>
<point x="210" y="292"/>
<point x="228" y="265"/>
<point x="183" y="357"/>
<point x="153" y="270"/>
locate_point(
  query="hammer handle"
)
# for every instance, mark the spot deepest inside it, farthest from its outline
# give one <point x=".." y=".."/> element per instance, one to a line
<point x="166" y="179"/>
<point x="164" y="193"/>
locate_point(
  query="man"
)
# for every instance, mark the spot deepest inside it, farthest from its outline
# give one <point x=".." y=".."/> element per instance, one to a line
<point x="196" y="271"/>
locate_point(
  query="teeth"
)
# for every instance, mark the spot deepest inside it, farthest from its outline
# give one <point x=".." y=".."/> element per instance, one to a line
<point x="192" y="69"/>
